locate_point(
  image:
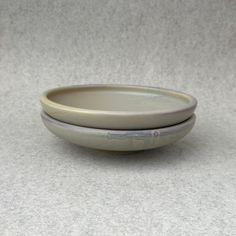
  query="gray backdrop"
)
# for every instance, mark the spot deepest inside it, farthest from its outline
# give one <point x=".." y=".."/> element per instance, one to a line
<point x="50" y="187"/>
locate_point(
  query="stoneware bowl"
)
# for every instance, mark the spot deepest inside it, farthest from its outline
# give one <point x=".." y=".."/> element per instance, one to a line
<point x="118" y="140"/>
<point x="118" y="106"/>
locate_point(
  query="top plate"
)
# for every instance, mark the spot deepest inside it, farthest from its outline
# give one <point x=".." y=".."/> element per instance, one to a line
<point x="118" y="106"/>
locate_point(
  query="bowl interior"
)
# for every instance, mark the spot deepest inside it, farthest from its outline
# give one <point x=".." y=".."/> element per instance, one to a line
<point x="124" y="99"/>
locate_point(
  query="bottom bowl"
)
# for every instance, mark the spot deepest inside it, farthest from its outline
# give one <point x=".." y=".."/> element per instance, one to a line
<point x="118" y="140"/>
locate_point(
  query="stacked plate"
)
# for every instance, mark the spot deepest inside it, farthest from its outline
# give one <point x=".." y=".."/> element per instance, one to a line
<point x="118" y="117"/>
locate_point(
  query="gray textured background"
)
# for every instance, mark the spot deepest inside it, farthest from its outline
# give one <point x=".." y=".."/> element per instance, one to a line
<point x="50" y="187"/>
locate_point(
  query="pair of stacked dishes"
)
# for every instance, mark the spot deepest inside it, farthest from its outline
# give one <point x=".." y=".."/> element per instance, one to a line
<point x="118" y="117"/>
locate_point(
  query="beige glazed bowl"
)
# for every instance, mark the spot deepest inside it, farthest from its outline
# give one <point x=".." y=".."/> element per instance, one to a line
<point x="118" y="106"/>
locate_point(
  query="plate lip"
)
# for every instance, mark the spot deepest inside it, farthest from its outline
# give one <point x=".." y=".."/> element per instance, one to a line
<point x="162" y="130"/>
<point x="44" y="100"/>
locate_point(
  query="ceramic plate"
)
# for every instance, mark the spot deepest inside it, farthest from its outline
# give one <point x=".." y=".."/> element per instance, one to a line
<point x="118" y="140"/>
<point x="118" y="106"/>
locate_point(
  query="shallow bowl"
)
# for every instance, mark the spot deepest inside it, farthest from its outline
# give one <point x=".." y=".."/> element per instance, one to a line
<point x="118" y="140"/>
<point x="118" y="106"/>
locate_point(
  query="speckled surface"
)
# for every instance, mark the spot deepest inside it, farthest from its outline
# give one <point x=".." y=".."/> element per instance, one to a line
<point x="50" y="187"/>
